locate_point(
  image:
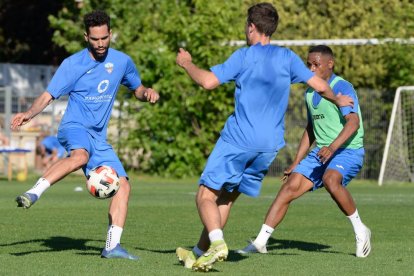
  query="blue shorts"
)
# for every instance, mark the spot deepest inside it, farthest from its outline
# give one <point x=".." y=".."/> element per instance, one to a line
<point x="60" y="152"/>
<point x="348" y="162"/>
<point x="100" y="152"/>
<point x="233" y="168"/>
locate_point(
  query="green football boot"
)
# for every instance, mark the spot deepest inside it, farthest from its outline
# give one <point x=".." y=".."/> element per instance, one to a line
<point x="217" y="251"/>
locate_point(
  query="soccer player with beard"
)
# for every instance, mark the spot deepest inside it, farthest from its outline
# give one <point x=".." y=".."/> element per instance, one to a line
<point x="91" y="78"/>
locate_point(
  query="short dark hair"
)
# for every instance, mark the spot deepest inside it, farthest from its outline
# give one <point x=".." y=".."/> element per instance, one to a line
<point x="95" y="19"/>
<point x="264" y="16"/>
<point x="323" y="49"/>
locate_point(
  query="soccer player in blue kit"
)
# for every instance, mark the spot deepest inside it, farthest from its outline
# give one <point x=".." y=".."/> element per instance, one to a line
<point x="253" y="134"/>
<point x="91" y="78"/>
<point x="333" y="163"/>
<point x="50" y="150"/>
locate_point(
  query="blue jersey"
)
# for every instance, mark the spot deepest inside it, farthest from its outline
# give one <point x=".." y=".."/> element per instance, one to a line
<point x="92" y="86"/>
<point x="52" y="143"/>
<point x="263" y="75"/>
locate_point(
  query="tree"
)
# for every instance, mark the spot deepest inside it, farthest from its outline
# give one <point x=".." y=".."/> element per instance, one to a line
<point x="25" y="36"/>
<point x="175" y="136"/>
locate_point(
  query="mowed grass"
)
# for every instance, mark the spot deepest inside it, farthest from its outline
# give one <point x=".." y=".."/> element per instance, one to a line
<point x="64" y="233"/>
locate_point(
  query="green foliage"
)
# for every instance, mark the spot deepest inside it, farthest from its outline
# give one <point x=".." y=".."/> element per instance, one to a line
<point x="175" y="136"/>
<point x="374" y="70"/>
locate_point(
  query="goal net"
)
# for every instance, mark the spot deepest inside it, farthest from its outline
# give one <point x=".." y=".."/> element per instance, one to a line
<point x="398" y="159"/>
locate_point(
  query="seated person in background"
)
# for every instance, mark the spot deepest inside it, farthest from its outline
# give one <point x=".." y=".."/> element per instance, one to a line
<point x="4" y="141"/>
<point x="50" y="150"/>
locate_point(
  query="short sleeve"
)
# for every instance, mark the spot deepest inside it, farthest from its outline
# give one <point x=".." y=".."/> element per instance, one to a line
<point x="131" y="78"/>
<point x="231" y="68"/>
<point x="345" y="88"/>
<point x="298" y="71"/>
<point x="62" y="81"/>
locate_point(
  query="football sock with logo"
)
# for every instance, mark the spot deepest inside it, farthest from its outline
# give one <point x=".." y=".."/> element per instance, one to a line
<point x="357" y="224"/>
<point x="216" y="235"/>
<point x="113" y="237"/>
<point x="41" y="185"/>
<point x="264" y="235"/>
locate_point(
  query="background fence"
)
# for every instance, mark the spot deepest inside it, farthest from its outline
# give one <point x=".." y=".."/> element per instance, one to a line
<point x="374" y="119"/>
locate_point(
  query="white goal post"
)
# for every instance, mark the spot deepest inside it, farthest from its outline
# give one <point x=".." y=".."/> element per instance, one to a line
<point x="398" y="158"/>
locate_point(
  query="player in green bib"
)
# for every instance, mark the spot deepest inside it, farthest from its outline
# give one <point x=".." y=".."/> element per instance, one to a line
<point x="333" y="163"/>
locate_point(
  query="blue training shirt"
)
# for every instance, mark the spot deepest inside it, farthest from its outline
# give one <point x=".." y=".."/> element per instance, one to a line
<point x="263" y="75"/>
<point x="92" y="86"/>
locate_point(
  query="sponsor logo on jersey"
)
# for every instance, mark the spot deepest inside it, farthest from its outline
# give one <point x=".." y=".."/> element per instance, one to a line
<point x="340" y="166"/>
<point x="318" y="116"/>
<point x="99" y="99"/>
<point x="109" y="67"/>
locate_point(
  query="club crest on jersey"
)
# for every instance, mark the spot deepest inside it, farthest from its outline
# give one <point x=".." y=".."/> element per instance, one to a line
<point x="109" y="67"/>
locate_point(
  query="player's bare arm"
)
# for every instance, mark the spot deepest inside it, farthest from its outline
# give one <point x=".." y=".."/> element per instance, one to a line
<point x="145" y="94"/>
<point x="351" y="126"/>
<point x="325" y="91"/>
<point x="38" y="105"/>
<point x="204" y="78"/>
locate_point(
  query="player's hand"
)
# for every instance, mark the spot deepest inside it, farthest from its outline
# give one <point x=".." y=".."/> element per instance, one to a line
<point x="325" y="153"/>
<point x="151" y="95"/>
<point x="20" y="119"/>
<point x="287" y="172"/>
<point x="344" y="100"/>
<point x="183" y="57"/>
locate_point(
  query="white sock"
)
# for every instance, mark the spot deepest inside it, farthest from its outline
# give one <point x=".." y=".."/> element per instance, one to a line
<point x="41" y="185"/>
<point x="113" y="237"/>
<point x="264" y="235"/>
<point x="197" y="251"/>
<point x="216" y="235"/>
<point x="359" y="227"/>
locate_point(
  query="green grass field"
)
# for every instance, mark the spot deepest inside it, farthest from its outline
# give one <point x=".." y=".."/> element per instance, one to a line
<point x="64" y="233"/>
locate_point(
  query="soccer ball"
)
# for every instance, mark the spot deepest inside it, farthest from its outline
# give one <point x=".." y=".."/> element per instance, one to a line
<point x="102" y="182"/>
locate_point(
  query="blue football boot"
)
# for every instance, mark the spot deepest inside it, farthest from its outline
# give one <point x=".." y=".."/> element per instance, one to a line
<point x="26" y="200"/>
<point x="118" y="253"/>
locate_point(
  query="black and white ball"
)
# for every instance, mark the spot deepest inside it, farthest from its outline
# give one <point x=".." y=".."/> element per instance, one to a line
<point x="102" y="182"/>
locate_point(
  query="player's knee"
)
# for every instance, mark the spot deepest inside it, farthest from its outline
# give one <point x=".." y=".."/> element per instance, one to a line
<point x="125" y="186"/>
<point x="79" y="160"/>
<point x="205" y="194"/>
<point x="331" y="183"/>
<point x="289" y="191"/>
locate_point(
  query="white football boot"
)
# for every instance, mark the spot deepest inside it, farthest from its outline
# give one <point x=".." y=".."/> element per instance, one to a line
<point x="363" y="244"/>
<point x="253" y="248"/>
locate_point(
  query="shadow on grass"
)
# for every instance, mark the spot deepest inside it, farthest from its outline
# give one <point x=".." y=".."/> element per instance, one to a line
<point x="273" y="246"/>
<point x="276" y="244"/>
<point x="169" y="251"/>
<point x="55" y="244"/>
<point x="233" y="256"/>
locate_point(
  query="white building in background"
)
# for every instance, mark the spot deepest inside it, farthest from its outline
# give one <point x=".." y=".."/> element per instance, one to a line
<point x="26" y="80"/>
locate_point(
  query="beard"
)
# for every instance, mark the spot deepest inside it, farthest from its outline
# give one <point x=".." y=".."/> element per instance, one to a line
<point x="98" y="53"/>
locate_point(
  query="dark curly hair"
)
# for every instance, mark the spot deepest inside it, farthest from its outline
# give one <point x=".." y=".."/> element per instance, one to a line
<point x="96" y="18"/>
